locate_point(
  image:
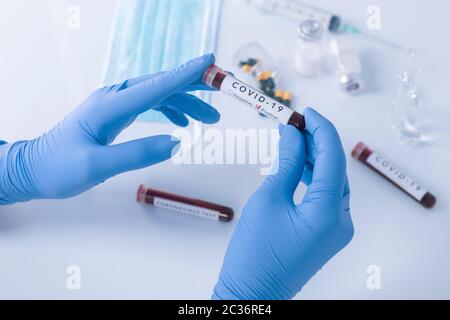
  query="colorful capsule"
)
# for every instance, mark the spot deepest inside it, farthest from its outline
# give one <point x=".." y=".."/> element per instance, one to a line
<point x="251" y="62"/>
<point x="266" y="81"/>
<point x="279" y="95"/>
<point x="246" y="68"/>
<point x="263" y="76"/>
<point x="287" y="98"/>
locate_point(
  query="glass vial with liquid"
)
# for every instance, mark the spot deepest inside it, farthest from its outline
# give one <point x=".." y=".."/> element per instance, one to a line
<point x="309" y="51"/>
<point x="347" y="63"/>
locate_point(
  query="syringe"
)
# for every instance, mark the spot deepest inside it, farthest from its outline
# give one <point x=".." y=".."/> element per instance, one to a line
<point x="300" y="11"/>
<point x="348" y="29"/>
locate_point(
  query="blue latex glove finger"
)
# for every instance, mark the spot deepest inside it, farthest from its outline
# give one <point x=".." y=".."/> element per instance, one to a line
<point x="311" y="154"/>
<point x="105" y="123"/>
<point x="329" y="176"/>
<point x="133" y="155"/>
<point x="310" y="160"/>
<point x="292" y="159"/>
<point x="175" y="108"/>
<point x="309" y="163"/>
<point x="195" y="86"/>
<point x="278" y="246"/>
<point x="176" y="117"/>
<point x="75" y="156"/>
<point x="138" y="98"/>
<point x="307" y="178"/>
<point x="193" y="107"/>
<point x="307" y="173"/>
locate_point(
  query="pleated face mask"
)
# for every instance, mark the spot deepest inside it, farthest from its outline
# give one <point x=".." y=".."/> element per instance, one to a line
<point x="149" y="36"/>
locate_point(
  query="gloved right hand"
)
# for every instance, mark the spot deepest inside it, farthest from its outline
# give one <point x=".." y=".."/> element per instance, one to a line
<point x="279" y="245"/>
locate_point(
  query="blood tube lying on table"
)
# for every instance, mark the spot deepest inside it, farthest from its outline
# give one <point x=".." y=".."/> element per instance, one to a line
<point x="219" y="79"/>
<point x="173" y="202"/>
<point x="394" y="174"/>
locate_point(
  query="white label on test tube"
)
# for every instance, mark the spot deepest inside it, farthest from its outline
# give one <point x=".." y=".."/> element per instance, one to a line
<point x="256" y="100"/>
<point x="186" y="208"/>
<point x="397" y="176"/>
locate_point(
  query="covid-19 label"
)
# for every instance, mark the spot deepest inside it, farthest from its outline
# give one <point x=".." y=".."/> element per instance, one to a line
<point x="256" y="100"/>
<point x="393" y="173"/>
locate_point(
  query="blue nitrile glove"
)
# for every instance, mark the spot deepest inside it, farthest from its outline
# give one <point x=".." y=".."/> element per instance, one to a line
<point x="278" y="246"/>
<point x="76" y="155"/>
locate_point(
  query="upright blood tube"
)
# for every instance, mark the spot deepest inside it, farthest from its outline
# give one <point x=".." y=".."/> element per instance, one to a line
<point x="255" y="99"/>
<point x="173" y="202"/>
<point x="394" y="174"/>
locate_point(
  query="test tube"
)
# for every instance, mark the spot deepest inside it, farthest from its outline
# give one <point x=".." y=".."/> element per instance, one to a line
<point x="177" y="203"/>
<point x="217" y="78"/>
<point x="394" y="174"/>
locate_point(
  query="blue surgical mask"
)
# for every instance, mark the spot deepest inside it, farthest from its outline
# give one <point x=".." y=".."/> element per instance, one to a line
<point x="149" y="36"/>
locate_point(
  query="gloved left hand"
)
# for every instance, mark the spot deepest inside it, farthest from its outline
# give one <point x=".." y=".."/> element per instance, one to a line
<point x="76" y="155"/>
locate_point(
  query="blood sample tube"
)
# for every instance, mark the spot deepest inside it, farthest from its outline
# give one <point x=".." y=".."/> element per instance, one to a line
<point x="255" y="99"/>
<point x="199" y="208"/>
<point x="394" y="174"/>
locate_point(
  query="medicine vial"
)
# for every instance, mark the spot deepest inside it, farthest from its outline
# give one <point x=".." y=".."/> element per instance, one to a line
<point x="394" y="174"/>
<point x="347" y="63"/>
<point x="309" y="52"/>
<point x="217" y="78"/>
<point x="177" y="203"/>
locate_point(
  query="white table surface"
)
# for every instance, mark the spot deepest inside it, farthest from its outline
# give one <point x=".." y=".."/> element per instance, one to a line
<point x="130" y="251"/>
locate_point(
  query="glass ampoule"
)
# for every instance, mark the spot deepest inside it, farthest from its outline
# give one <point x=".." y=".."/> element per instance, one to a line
<point x="409" y="106"/>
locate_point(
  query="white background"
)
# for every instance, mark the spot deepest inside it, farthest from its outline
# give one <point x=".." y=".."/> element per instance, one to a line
<point x="130" y="251"/>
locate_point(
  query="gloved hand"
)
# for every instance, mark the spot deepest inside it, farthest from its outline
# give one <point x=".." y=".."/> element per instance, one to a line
<point x="278" y="246"/>
<point x="76" y="155"/>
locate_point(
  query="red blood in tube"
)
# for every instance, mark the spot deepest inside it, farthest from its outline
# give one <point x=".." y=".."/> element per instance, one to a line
<point x="362" y="153"/>
<point x="149" y="196"/>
